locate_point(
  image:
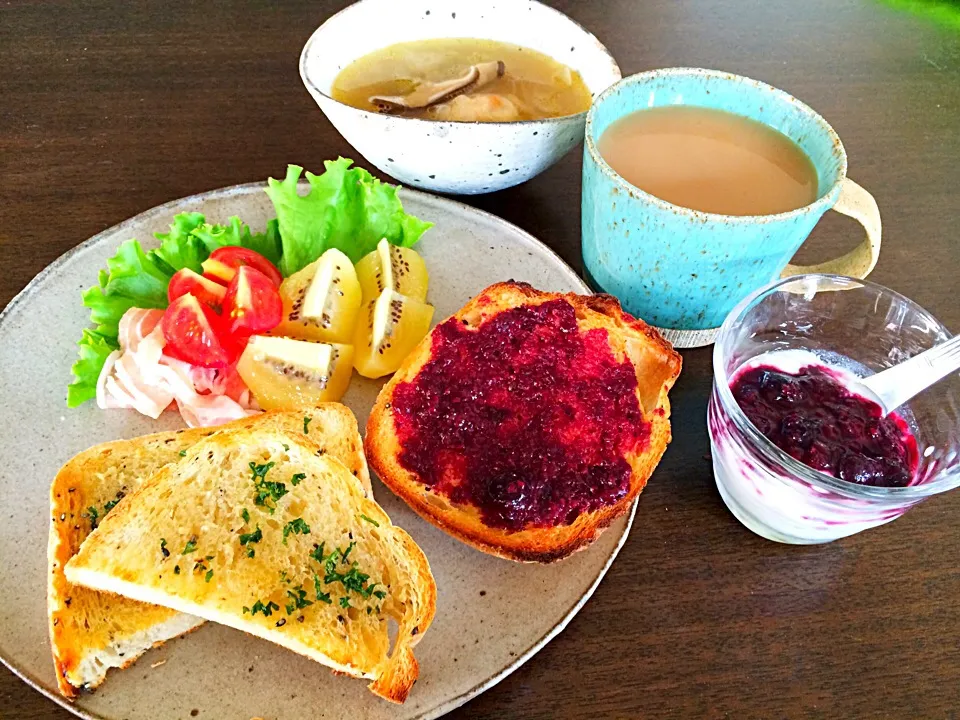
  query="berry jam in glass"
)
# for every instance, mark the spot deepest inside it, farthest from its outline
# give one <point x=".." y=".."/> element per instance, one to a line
<point x="812" y="417"/>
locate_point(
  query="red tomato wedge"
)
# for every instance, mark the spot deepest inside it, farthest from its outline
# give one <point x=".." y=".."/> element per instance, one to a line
<point x="252" y="304"/>
<point x="224" y="262"/>
<point x="186" y="281"/>
<point x="189" y="329"/>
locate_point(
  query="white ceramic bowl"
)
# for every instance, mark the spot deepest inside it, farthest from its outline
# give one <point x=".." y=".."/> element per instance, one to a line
<point x="453" y="157"/>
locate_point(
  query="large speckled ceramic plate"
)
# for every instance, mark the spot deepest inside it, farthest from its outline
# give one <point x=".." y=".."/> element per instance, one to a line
<point x="492" y="615"/>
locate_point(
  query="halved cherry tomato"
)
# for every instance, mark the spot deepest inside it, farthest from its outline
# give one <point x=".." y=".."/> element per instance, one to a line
<point x="189" y="327"/>
<point x="206" y="291"/>
<point x="224" y="262"/>
<point x="252" y="304"/>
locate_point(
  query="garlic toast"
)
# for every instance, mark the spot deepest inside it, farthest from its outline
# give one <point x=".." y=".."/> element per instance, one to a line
<point x="527" y="422"/>
<point x="262" y="531"/>
<point x="91" y="631"/>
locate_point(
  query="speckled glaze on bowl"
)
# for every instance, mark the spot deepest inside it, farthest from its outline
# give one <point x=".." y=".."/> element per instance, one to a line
<point x="453" y="157"/>
<point x="683" y="270"/>
<point x="485" y="627"/>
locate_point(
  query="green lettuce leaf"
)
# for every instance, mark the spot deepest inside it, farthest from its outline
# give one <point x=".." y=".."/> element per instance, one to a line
<point x="181" y="248"/>
<point x="237" y="233"/>
<point x="107" y="309"/>
<point x="136" y="274"/>
<point x="345" y="208"/>
<point x="94" y="349"/>
<point x="268" y="243"/>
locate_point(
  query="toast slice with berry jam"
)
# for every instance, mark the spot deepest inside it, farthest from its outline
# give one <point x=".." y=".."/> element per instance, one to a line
<point x="91" y="631"/>
<point x="261" y="530"/>
<point x="528" y="422"/>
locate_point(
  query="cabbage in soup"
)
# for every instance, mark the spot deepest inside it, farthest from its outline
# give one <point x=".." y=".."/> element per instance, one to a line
<point x="462" y="79"/>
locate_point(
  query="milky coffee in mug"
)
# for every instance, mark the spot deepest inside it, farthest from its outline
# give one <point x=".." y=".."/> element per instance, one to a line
<point x="698" y="188"/>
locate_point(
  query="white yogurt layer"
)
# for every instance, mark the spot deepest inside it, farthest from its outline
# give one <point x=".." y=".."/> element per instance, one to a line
<point x="780" y="506"/>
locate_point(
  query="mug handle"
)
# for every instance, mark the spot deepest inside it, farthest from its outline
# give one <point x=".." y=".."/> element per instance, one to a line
<point x="857" y="203"/>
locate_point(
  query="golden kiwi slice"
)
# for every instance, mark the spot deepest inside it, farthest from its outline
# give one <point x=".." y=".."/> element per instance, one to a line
<point x="287" y="374"/>
<point x="321" y="301"/>
<point x="392" y="267"/>
<point x="389" y="328"/>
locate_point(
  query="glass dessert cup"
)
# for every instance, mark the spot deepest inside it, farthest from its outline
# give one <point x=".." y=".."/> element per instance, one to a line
<point x="859" y="327"/>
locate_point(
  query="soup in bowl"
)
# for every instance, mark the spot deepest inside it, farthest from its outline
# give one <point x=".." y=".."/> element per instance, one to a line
<point x="458" y="97"/>
<point x="464" y="80"/>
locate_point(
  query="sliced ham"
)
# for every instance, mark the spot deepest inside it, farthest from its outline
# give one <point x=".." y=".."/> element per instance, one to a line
<point x="105" y="400"/>
<point x="135" y="325"/>
<point x="141" y="377"/>
<point x="207" y="410"/>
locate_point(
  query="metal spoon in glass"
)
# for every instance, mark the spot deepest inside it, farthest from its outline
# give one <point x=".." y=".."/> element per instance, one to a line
<point x="892" y="387"/>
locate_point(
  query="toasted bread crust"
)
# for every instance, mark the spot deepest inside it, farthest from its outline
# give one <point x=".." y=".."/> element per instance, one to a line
<point x="327" y="497"/>
<point x="397" y="679"/>
<point x="76" y="614"/>
<point x="661" y="366"/>
<point x="74" y="489"/>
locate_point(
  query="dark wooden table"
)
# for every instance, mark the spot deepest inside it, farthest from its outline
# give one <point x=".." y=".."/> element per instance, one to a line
<point x="110" y="108"/>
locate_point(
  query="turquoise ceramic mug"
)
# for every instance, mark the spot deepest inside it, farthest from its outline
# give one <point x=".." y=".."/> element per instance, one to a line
<point x="683" y="270"/>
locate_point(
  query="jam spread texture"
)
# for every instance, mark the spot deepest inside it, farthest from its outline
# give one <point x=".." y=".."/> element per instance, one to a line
<point x="525" y="417"/>
<point x="813" y="418"/>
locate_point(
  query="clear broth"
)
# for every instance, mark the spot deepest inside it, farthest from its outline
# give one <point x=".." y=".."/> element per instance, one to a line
<point x="534" y="86"/>
<point x="710" y="160"/>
